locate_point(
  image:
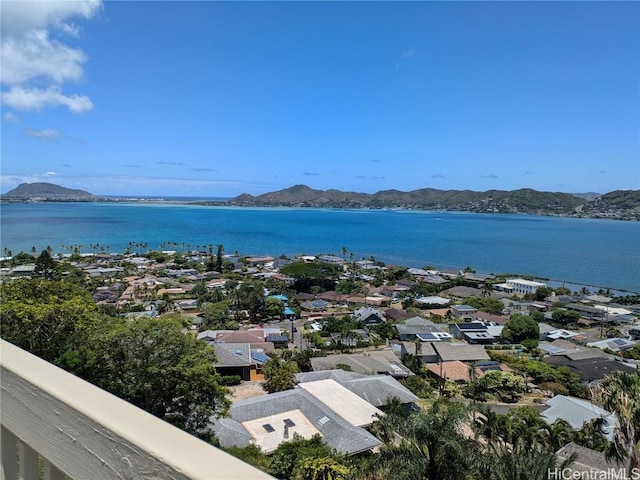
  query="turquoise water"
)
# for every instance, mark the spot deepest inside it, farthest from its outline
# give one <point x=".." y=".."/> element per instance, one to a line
<point x="596" y="252"/>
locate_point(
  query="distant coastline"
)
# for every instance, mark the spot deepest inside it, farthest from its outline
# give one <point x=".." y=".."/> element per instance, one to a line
<point x="616" y="205"/>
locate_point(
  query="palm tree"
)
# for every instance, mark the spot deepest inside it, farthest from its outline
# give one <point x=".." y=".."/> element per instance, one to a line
<point x="424" y="445"/>
<point x="503" y="461"/>
<point x="592" y="435"/>
<point x="619" y="392"/>
<point x="220" y="250"/>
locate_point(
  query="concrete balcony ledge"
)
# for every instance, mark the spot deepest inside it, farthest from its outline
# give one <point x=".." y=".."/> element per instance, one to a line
<point x="83" y="432"/>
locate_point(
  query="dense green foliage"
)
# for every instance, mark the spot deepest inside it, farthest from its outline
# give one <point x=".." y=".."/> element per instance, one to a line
<point x="308" y="275"/>
<point x="520" y="328"/>
<point x="151" y="363"/>
<point x="486" y="304"/>
<point x="279" y="374"/>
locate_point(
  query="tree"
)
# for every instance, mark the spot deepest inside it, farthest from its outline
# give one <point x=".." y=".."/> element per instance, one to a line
<point x="487" y="304"/>
<point x="273" y="308"/>
<point x="505" y="461"/>
<point x="520" y="327"/>
<point x="46" y="318"/>
<point x="280" y="374"/>
<point x="565" y="317"/>
<point x="424" y="445"/>
<point x="220" y="250"/>
<point x="306" y="459"/>
<point x="320" y="468"/>
<point x="542" y="293"/>
<point x="154" y="365"/>
<point x="506" y="385"/>
<point x="46" y="267"/>
<point x="619" y="392"/>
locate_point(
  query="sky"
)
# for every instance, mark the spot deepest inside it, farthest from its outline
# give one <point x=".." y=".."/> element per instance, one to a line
<point x="215" y="99"/>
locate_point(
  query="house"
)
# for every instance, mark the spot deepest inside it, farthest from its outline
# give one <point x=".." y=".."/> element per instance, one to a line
<point x="560" y="334"/>
<point x="278" y="340"/>
<point x="460" y="291"/>
<point x="237" y="359"/>
<point x="424" y="350"/>
<point x="585" y="311"/>
<point x="519" y="286"/>
<point x="368" y="316"/>
<point x="613" y="344"/>
<point x="412" y="327"/>
<point x="269" y="420"/>
<point x="576" y="412"/>
<point x="475" y="332"/>
<point x="373" y="363"/>
<point x="460" y="351"/>
<point x="397" y="314"/>
<point x="590" y="369"/>
<point x="378" y="390"/>
<point x="332" y="259"/>
<point x="466" y="312"/>
<point x="432" y="302"/>
<point x="588" y="463"/>
<point x="454" y="370"/>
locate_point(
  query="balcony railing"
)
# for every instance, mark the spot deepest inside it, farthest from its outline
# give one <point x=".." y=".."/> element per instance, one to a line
<point x="57" y="425"/>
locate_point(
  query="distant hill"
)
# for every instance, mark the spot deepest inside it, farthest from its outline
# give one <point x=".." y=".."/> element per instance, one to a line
<point x="45" y="191"/>
<point x="621" y="204"/>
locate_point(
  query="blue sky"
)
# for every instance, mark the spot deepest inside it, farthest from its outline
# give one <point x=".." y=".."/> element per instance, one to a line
<point x="222" y="98"/>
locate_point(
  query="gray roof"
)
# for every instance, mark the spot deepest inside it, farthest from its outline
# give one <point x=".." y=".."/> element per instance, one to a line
<point x="576" y="412"/>
<point x="366" y="364"/>
<point x="587" y="460"/>
<point x="336" y="432"/>
<point x="232" y="354"/>
<point x="404" y="329"/>
<point x="375" y="389"/>
<point x="460" y="351"/>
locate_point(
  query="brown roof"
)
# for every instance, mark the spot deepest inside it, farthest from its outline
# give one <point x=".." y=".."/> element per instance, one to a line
<point x="454" y="370"/>
<point x="499" y="319"/>
<point x="240" y="336"/>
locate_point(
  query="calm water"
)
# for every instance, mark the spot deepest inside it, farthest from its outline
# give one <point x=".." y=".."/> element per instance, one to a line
<point x="595" y="252"/>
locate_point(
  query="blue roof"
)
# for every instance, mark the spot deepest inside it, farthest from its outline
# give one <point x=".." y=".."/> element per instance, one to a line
<point x="289" y="311"/>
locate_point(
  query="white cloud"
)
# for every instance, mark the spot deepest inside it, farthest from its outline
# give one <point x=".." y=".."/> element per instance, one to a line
<point x="10" y="117"/>
<point x="36" y="99"/>
<point x="35" y="56"/>
<point x="46" y="135"/>
<point x="50" y="174"/>
<point x="19" y="16"/>
<point x="30" y="52"/>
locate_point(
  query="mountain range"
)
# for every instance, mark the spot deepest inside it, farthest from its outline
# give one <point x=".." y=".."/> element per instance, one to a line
<point x="619" y="204"/>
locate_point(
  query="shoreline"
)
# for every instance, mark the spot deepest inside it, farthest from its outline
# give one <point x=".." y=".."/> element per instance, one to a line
<point x="215" y="202"/>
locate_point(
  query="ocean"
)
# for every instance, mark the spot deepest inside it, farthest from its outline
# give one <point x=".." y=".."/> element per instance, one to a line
<point x="600" y="253"/>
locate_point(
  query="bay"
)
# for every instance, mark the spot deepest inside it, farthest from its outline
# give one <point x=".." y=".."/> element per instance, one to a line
<point x="602" y="253"/>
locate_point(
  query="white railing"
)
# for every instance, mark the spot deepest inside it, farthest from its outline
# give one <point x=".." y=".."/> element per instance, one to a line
<point x="57" y="425"/>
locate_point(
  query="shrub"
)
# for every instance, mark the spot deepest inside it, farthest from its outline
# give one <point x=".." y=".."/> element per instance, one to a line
<point x="229" y="380"/>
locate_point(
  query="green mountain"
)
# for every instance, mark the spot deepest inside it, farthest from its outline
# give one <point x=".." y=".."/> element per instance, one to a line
<point x="45" y="191"/>
<point x="620" y="204"/>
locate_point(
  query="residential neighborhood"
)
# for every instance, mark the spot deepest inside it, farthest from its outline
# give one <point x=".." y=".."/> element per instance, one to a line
<point x="318" y="345"/>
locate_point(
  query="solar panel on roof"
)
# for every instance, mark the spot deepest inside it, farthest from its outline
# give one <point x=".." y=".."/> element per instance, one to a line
<point x="259" y="357"/>
<point x="289" y="423"/>
<point x="620" y="342"/>
<point x="268" y="428"/>
<point x="323" y="420"/>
